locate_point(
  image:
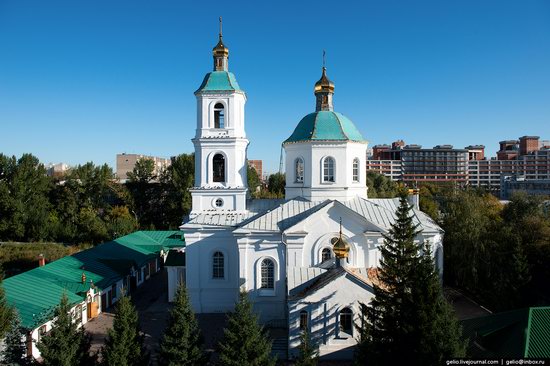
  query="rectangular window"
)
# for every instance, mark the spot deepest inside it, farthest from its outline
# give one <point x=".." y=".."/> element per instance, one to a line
<point x="217" y="266"/>
<point x="328" y="170"/>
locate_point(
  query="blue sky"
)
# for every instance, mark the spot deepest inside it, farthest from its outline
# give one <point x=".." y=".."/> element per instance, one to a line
<point x="84" y="80"/>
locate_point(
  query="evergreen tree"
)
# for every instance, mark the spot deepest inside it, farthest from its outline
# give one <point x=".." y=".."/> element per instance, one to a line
<point x="244" y="343"/>
<point x="14" y="353"/>
<point x="438" y="331"/>
<point x="182" y="341"/>
<point x="308" y="352"/>
<point x="65" y="344"/>
<point x="124" y="344"/>
<point x="409" y="321"/>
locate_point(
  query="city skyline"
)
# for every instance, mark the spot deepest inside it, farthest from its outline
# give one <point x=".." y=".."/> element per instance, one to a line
<point x="85" y="82"/>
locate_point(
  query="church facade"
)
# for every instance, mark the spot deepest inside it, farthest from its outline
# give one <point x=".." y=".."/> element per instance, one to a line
<point x="307" y="261"/>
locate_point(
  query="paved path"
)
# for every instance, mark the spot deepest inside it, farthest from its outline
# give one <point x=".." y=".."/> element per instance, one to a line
<point x="152" y="305"/>
<point x="465" y="308"/>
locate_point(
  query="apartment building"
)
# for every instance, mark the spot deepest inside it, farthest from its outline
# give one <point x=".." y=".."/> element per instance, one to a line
<point x="526" y="157"/>
<point x="125" y="163"/>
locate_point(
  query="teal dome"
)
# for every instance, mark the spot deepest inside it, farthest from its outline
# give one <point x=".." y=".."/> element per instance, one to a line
<point x="219" y="81"/>
<point x="325" y="126"/>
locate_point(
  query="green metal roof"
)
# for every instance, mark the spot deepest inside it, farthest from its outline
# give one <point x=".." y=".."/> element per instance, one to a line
<point x="219" y="81"/>
<point x="325" y="126"/>
<point x="512" y="334"/>
<point x="538" y="333"/>
<point x="37" y="292"/>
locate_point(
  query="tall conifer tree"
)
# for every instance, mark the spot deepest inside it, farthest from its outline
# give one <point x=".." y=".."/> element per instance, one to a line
<point x="65" y="344"/>
<point x="14" y="353"/>
<point x="408" y="320"/>
<point x="124" y="345"/>
<point x="245" y="342"/>
<point x="182" y="341"/>
<point x="308" y="355"/>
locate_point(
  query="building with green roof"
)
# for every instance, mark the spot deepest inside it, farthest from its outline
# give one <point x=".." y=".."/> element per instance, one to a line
<point x="523" y="333"/>
<point x="326" y="153"/>
<point x="91" y="279"/>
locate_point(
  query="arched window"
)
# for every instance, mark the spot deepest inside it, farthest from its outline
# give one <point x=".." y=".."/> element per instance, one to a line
<point x="355" y="170"/>
<point x="218" y="168"/>
<point x="346" y="321"/>
<point x="219" y="116"/>
<point x="303" y="319"/>
<point x="299" y="171"/>
<point x="328" y="169"/>
<point x="325" y="255"/>
<point x="218" y="265"/>
<point x="268" y="274"/>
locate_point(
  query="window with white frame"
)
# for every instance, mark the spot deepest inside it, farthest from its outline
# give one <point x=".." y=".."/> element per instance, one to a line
<point x="218" y="265"/>
<point x="346" y="322"/>
<point x="355" y="170"/>
<point x="267" y="274"/>
<point x="303" y="320"/>
<point x="299" y="170"/>
<point x="326" y="254"/>
<point x="328" y="169"/>
<point x="78" y="314"/>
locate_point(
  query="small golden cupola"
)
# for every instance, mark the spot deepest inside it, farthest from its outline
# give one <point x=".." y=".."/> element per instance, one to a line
<point x="324" y="89"/>
<point x="340" y="247"/>
<point x="220" y="53"/>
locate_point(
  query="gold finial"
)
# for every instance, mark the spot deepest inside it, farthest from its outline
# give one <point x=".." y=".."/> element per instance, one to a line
<point x="220" y="52"/>
<point x="324" y="59"/>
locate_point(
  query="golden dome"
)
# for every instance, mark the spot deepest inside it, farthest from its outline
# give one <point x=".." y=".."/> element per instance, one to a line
<point x="324" y="84"/>
<point x="220" y="50"/>
<point x="340" y="245"/>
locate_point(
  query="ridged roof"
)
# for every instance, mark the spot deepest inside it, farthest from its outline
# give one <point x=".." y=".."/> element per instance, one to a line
<point x="37" y="292"/>
<point x="522" y="333"/>
<point x="325" y="126"/>
<point x="219" y="81"/>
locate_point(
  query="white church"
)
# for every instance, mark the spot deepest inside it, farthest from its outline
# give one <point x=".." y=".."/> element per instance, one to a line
<point x="307" y="261"/>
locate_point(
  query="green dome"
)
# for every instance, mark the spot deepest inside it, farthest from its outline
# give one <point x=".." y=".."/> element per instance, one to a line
<point x="325" y="126"/>
<point x="219" y="80"/>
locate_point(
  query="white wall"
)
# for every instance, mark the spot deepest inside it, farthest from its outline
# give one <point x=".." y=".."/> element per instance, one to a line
<point x="253" y="249"/>
<point x="209" y="295"/>
<point x="176" y="274"/>
<point x="313" y="153"/>
<point x="323" y="309"/>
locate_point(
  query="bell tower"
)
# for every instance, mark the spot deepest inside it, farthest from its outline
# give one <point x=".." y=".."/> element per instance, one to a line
<point x="220" y="140"/>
